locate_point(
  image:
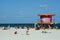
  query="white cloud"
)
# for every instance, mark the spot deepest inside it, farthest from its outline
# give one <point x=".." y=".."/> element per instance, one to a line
<point x="43" y="5"/>
<point x="21" y="12"/>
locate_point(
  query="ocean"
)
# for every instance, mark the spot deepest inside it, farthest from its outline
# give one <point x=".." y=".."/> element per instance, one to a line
<point x="16" y="24"/>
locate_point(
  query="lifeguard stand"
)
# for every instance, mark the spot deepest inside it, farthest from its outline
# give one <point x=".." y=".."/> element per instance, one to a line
<point x="45" y="21"/>
<point x="46" y="18"/>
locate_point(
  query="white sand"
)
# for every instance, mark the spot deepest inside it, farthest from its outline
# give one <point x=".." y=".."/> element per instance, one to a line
<point x="51" y="34"/>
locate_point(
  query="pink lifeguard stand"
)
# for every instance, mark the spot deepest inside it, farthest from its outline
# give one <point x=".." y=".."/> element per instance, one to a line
<point x="46" y="18"/>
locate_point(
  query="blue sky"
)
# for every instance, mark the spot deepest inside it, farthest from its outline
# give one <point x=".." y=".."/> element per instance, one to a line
<point x="26" y="11"/>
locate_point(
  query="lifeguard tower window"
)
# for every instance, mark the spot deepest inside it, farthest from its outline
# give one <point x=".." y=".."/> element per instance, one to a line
<point x="45" y="19"/>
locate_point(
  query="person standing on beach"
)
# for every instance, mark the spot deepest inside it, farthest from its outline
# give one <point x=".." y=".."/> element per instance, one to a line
<point x="27" y="32"/>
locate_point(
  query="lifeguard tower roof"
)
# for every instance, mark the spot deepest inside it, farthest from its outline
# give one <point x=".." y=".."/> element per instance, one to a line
<point x="46" y="14"/>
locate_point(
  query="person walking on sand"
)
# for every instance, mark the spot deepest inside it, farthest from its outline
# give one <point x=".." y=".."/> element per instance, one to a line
<point x="27" y="32"/>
